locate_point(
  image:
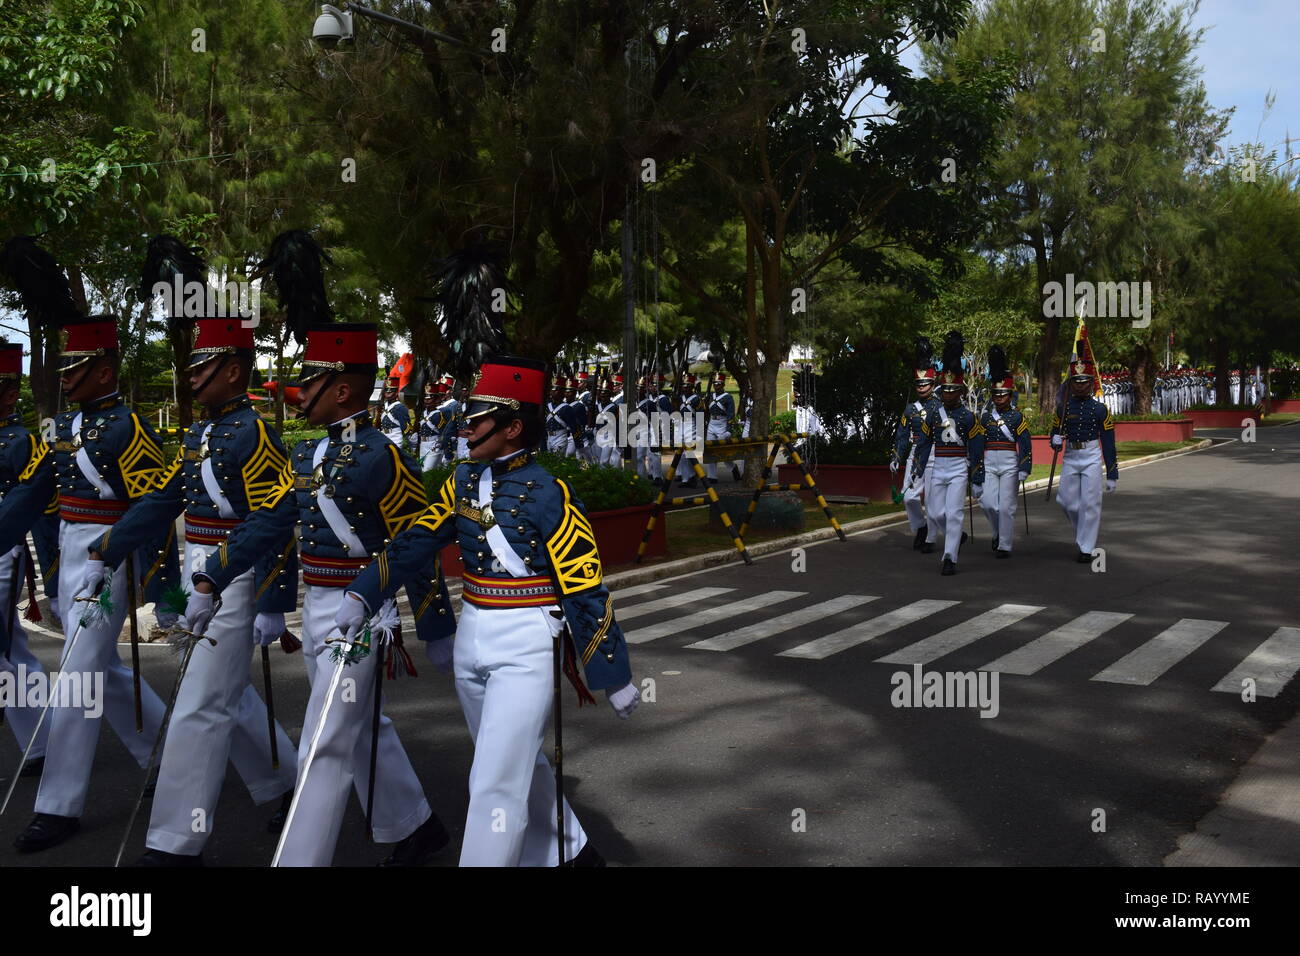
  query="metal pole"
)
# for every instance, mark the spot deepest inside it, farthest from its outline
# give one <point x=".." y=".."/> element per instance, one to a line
<point x="629" y="312"/>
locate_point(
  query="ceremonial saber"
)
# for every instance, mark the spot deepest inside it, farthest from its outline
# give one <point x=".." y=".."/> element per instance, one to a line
<point x="135" y="648"/>
<point x="311" y="750"/>
<point x="374" y="742"/>
<point x="1024" y="500"/>
<point x="559" y="748"/>
<point x="191" y="642"/>
<point x="270" y="707"/>
<point x="67" y="651"/>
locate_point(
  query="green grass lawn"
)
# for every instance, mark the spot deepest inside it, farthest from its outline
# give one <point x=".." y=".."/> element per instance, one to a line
<point x="1280" y="418"/>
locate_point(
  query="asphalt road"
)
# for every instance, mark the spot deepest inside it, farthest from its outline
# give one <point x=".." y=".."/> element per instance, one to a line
<point x="785" y="717"/>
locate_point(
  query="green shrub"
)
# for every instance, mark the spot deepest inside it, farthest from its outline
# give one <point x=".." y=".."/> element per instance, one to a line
<point x="782" y="423"/>
<point x="599" y="487"/>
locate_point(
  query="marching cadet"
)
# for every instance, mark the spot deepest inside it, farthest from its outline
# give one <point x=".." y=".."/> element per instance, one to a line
<point x="947" y="431"/>
<point x="395" y="422"/>
<point x="690" y="405"/>
<point x="611" y="453"/>
<point x="906" y="439"/>
<point x="645" y="434"/>
<point x="18" y="449"/>
<point x="558" y="437"/>
<point x="532" y="586"/>
<point x="721" y="410"/>
<point x="1088" y="437"/>
<point x="228" y="463"/>
<point x="453" y="447"/>
<point x="105" y="458"/>
<point x="349" y="493"/>
<point x="1001" y="452"/>
<point x="575" y="415"/>
<point x="428" y="434"/>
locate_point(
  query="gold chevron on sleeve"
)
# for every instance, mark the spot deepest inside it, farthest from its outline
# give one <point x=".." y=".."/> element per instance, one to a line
<point x="405" y="500"/>
<point x="441" y="509"/>
<point x="264" y="470"/>
<point x="37" y="455"/>
<point x="283" y="485"/>
<point x="601" y="631"/>
<point x="173" y="469"/>
<point x="572" y="549"/>
<point x="142" y="461"/>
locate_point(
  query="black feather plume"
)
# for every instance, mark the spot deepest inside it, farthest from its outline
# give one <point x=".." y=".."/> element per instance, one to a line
<point x="166" y="258"/>
<point x="997" y="364"/>
<point x="924" y="353"/>
<point x="294" y="264"/>
<point x="41" y="283"/>
<point x="467" y="283"/>
<point x="953" y="346"/>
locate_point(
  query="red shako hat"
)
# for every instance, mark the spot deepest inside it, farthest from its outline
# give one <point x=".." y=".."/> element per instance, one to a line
<point x="506" y="382"/>
<point x="340" y="347"/>
<point x="11" y="362"/>
<point x="87" y="338"/>
<point x="219" y="336"/>
<point x="1082" y="369"/>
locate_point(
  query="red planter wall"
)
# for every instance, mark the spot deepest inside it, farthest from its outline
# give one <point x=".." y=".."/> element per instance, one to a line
<point x="1286" y="405"/>
<point x="618" y="535"/>
<point x="1224" y="419"/>
<point x="854" y="481"/>
<point x="1177" y="429"/>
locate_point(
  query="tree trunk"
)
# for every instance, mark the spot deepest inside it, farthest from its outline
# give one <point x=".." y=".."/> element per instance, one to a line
<point x="180" y="342"/>
<point x="1143" y="370"/>
<point x="1222" y="374"/>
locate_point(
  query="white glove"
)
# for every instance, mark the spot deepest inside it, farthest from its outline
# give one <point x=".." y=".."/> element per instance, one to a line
<point x="893" y="467"/>
<point x="198" y="613"/>
<point x="624" y="701"/>
<point x="166" y="619"/>
<point x="441" y="653"/>
<point x="92" y="579"/>
<point x="1110" y="484"/>
<point x="351" y="616"/>
<point x="976" y="491"/>
<point x="267" y="627"/>
<point x="1024" y="476"/>
<point x="1057" y="441"/>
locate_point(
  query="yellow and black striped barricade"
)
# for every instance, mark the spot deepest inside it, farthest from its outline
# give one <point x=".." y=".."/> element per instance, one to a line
<point x="725" y="449"/>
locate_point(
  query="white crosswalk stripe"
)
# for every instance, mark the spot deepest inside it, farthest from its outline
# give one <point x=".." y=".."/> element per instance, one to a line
<point x="622" y="614"/>
<point x="776" y="625"/>
<point x="959" y="635"/>
<point x="1055" y="644"/>
<point x="685" y="624"/>
<point x="1271" y="665"/>
<point x="1148" y="662"/>
<point x="856" y="634"/>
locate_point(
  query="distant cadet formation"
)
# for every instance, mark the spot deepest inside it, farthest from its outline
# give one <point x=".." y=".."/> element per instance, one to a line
<point x="256" y="516"/>
<point x="951" y="456"/>
<point x="581" y="421"/>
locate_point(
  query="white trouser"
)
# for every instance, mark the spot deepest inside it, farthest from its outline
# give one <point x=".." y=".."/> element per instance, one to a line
<point x="561" y="443"/>
<point x="20" y="718"/>
<point x="218" y="716"/>
<point x="914" y="493"/>
<point x="715" y="430"/>
<point x="431" y="456"/>
<point x="504" y="668"/>
<point x="648" y="462"/>
<point x="1080" y="493"/>
<point x="1001" y="482"/>
<point x="342" y="758"/>
<point x="685" y="469"/>
<point x="396" y="436"/>
<point x="74" y="731"/>
<point x="945" y="502"/>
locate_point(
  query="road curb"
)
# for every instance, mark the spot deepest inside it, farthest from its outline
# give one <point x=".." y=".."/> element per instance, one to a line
<point x="712" y="559"/>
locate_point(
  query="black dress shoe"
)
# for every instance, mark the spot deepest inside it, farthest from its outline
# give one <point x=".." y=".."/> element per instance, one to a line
<point x="46" y="830"/>
<point x="735" y="473"/>
<point x="927" y="548"/>
<point x="964" y="536"/>
<point x="33" y="767"/>
<point x="948" y="567"/>
<point x="160" y="858"/>
<point x="421" y="846"/>
<point x="276" y="823"/>
<point x="1084" y="558"/>
<point x="999" y="553"/>
<point x="994" y="543"/>
<point x="689" y="484"/>
<point x="919" y="540"/>
<point x="587" y="856"/>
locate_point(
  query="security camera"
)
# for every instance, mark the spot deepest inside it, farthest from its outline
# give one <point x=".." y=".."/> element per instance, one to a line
<point x="332" y="27"/>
